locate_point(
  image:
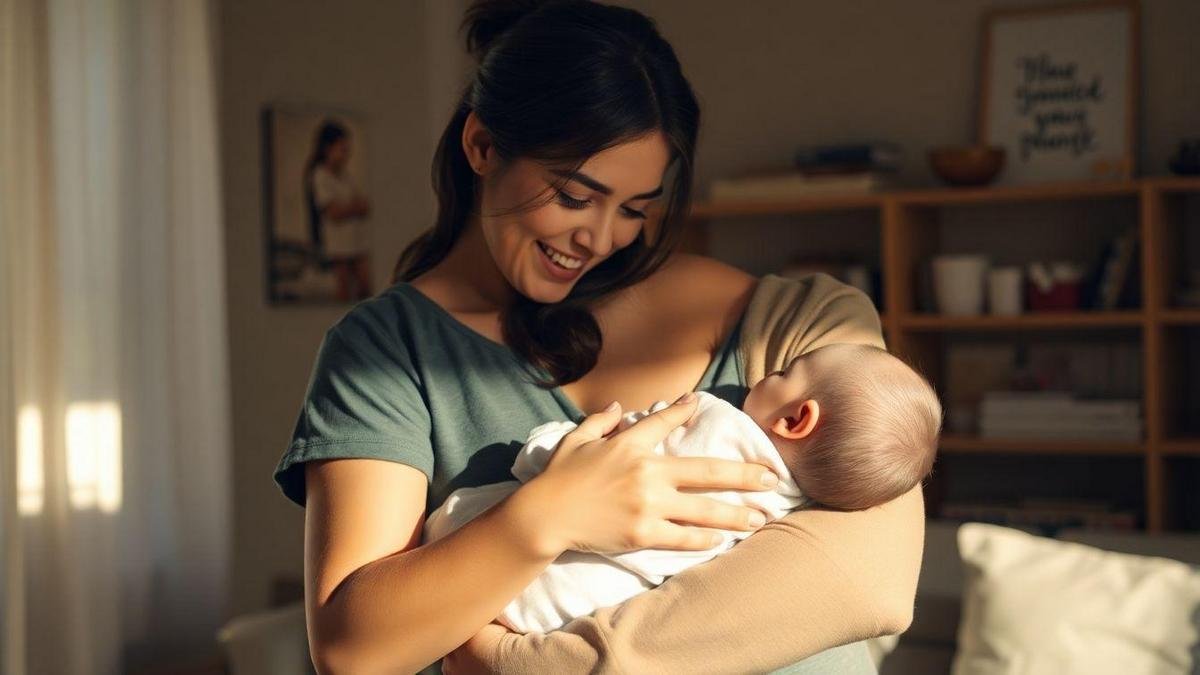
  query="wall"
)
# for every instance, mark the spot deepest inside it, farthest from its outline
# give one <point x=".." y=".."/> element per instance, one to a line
<point x="375" y="57"/>
<point x="771" y="75"/>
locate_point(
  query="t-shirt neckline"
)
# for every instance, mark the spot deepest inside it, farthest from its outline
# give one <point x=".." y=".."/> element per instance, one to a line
<point x="559" y="395"/>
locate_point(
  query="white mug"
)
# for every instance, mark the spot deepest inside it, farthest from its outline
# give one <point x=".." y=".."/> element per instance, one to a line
<point x="958" y="284"/>
<point x="1004" y="291"/>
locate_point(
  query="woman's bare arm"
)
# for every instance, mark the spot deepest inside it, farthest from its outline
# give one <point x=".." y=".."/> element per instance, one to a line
<point x="376" y="602"/>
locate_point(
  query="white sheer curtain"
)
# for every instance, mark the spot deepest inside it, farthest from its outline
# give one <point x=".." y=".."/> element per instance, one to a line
<point x="113" y="359"/>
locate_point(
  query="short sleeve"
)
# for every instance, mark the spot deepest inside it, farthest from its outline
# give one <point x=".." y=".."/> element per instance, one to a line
<point x="364" y="400"/>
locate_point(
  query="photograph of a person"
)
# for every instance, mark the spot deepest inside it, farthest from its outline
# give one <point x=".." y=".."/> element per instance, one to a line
<point x="319" y="222"/>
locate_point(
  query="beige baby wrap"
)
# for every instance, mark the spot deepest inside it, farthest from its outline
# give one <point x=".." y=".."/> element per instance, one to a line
<point x="803" y="583"/>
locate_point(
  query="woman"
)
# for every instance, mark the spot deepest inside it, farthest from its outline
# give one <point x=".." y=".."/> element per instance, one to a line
<point x="540" y="265"/>
<point x="336" y="209"/>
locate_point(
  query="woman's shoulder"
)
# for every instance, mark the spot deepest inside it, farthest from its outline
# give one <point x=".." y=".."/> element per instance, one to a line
<point x="387" y="317"/>
<point x="690" y="285"/>
<point x="700" y="271"/>
<point x="699" y="281"/>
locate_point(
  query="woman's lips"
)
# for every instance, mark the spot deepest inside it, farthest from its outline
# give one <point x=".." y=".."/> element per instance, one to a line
<point x="554" y="269"/>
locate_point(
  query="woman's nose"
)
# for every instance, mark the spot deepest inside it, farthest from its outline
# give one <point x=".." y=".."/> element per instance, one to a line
<point x="597" y="237"/>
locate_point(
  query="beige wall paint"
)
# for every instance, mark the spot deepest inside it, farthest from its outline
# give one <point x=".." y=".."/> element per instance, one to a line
<point x="775" y="74"/>
<point x="770" y="74"/>
<point x="372" y="57"/>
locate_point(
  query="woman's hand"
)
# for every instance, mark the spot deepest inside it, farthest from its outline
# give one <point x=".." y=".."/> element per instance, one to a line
<point x="612" y="494"/>
<point x="474" y="656"/>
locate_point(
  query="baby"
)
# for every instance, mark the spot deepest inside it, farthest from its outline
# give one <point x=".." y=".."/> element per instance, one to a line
<point x="845" y="426"/>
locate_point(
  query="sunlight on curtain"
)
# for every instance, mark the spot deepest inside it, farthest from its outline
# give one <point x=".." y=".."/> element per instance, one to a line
<point x="113" y="343"/>
<point x="31" y="480"/>
<point x="94" y="455"/>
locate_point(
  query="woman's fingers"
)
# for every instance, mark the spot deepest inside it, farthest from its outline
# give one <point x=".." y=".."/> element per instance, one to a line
<point x="707" y="512"/>
<point x="654" y="427"/>
<point x="723" y="474"/>
<point x="597" y="425"/>
<point x="668" y="535"/>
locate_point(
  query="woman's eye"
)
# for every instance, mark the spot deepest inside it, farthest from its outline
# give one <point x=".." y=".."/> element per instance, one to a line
<point x="570" y="202"/>
<point x="573" y="203"/>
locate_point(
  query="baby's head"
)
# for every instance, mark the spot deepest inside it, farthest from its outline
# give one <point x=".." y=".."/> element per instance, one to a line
<point x="854" y="424"/>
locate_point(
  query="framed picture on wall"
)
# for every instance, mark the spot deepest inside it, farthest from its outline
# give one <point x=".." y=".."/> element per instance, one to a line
<point x="1059" y="91"/>
<point x="316" y="207"/>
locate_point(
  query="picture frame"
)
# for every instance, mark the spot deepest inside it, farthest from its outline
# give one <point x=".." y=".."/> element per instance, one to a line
<point x="1059" y="90"/>
<point x="316" y="208"/>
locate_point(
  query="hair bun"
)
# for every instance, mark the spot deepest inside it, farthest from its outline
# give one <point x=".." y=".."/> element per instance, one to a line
<point x="486" y="20"/>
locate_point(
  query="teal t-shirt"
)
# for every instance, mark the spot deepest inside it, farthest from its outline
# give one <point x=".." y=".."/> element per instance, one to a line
<point x="398" y="378"/>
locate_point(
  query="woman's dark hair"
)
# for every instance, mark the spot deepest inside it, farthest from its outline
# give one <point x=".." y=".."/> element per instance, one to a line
<point x="557" y="82"/>
<point x="328" y="133"/>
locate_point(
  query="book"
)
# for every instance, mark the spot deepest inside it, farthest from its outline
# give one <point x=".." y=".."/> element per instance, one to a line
<point x="1114" y="272"/>
<point x="1056" y="405"/>
<point x="876" y="155"/>
<point x="1123" y="435"/>
<point x="1044" y="515"/>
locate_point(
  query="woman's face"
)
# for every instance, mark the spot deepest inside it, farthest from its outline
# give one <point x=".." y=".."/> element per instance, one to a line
<point x="543" y="251"/>
<point x="338" y="153"/>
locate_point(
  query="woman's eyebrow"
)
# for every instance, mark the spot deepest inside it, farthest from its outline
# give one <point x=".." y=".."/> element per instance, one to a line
<point x="601" y="187"/>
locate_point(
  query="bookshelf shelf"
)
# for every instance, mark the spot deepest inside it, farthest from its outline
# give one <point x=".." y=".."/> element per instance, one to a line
<point x="1031" y="321"/>
<point x="960" y="443"/>
<point x="1181" y="447"/>
<point x="1013" y="194"/>
<point x="1181" y="317"/>
<point x="815" y="203"/>
<point x="910" y="232"/>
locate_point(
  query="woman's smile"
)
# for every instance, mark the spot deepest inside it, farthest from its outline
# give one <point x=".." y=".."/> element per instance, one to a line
<point x="560" y="265"/>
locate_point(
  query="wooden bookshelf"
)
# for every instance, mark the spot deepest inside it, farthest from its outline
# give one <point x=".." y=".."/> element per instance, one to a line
<point x="1032" y="321"/>
<point x="908" y="224"/>
<point x="1180" y="317"/>
<point x="1182" y="447"/>
<point x="959" y="443"/>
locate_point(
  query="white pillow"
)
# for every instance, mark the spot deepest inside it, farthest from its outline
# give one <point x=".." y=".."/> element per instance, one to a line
<point x="1033" y="605"/>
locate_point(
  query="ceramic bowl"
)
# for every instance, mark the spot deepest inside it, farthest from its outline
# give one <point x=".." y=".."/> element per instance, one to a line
<point x="967" y="165"/>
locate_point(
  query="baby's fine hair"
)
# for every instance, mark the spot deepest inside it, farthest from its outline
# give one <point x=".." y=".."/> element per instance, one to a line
<point x="877" y="432"/>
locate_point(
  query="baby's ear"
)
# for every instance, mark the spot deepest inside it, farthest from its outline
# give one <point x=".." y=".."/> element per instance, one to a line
<point x="800" y="423"/>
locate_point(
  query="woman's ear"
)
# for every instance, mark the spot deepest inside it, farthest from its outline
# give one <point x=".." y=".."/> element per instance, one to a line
<point x="477" y="143"/>
<point x="801" y="423"/>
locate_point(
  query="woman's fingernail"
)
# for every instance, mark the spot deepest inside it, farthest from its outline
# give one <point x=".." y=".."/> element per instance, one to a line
<point x="611" y="407"/>
<point x="769" y="478"/>
<point x="686" y="398"/>
<point x="757" y="519"/>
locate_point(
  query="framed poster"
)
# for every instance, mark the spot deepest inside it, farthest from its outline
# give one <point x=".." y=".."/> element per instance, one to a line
<point x="1059" y="91"/>
<point x="316" y="208"/>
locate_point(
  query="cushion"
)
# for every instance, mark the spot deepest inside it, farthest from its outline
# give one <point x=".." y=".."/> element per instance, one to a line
<point x="1036" y="605"/>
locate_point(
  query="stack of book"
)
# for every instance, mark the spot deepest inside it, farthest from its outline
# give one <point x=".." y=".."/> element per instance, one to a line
<point x="849" y="158"/>
<point x="1058" y="416"/>
<point x="1045" y="515"/>
<point x="818" y="170"/>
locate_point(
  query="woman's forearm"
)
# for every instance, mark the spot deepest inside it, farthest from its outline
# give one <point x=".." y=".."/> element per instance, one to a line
<point x="405" y="611"/>
<point x="802" y="584"/>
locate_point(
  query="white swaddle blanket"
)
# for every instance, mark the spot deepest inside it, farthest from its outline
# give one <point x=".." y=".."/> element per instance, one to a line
<point x="578" y="583"/>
